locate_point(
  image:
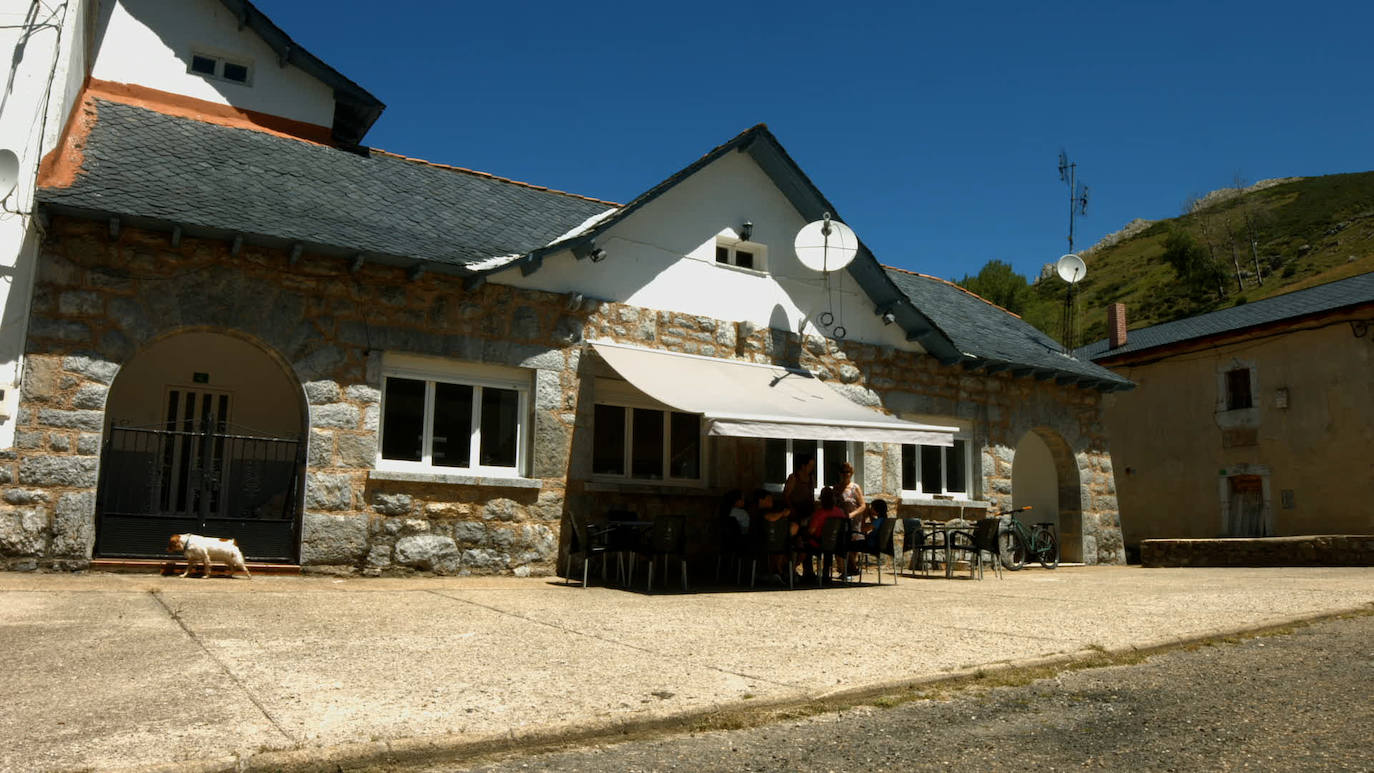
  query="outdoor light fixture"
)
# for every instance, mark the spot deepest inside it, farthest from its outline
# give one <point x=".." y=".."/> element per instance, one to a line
<point x="889" y="318"/>
<point x="597" y="255"/>
<point x="575" y="301"/>
<point x="746" y="231"/>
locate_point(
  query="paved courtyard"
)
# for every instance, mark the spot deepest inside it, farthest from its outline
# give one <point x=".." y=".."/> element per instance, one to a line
<point x="111" y="671"/>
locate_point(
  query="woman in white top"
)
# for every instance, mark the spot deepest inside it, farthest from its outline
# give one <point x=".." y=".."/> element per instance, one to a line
<point x="852" y="503"/>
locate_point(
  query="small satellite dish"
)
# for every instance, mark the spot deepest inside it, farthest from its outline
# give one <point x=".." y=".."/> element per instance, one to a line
<point x="826" y="245"/>
<point x="9" y="172"/>
<point x="1071" y="268"/>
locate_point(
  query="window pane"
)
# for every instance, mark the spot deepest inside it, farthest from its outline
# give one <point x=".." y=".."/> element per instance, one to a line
<point x="1238" y="389"/>
<point x="775" y="461"/>
<point x="930" y="469"/>
<point x="452" y="425"/>
<point x="646" y="444"/>
<point x="744" y="259"/>
<point x="908" y="468"/>
<point x="608" y="440"/>
<point x="722" y="254"/>
<point x="235" y="72"/>
<point x="684" y="445"/>
<point x="955" y="480"/>
<point x="500" y="427"/>
<point x="203" y="65"/>
<point x="403" y="425"/>
<point x="836" y="452"/>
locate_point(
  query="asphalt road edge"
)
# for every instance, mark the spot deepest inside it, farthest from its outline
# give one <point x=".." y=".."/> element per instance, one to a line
<point x="738" y="714"/>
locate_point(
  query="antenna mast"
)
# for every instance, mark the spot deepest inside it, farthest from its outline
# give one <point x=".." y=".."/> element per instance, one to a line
<point x="1078" y="192"/>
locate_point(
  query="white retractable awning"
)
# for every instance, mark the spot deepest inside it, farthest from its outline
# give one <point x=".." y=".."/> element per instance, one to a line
<point x="745" y="399"/>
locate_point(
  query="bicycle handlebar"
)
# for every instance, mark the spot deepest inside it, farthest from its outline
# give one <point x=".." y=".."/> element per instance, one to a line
<point x="1014" y="510"/>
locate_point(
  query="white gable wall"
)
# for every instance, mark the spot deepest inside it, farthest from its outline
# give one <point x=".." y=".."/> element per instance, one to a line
<point x="149" y="43"/>
<point x="663" y="257"/>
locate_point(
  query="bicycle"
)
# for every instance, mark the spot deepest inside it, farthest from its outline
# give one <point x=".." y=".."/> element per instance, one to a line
<point x="1019" y="542"/>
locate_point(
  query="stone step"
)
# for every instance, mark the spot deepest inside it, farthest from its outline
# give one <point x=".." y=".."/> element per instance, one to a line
<point x="167" y="567"/>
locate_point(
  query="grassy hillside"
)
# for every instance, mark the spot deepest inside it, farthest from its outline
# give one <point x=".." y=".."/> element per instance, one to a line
<point x="1307" y="231"/>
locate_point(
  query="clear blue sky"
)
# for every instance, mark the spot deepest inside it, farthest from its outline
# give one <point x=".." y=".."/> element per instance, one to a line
<point x="934" y="128"/>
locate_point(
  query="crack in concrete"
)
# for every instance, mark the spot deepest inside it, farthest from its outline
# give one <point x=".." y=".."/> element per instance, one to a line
<point x="645" y="650"/>
<point x="176" y="618"/>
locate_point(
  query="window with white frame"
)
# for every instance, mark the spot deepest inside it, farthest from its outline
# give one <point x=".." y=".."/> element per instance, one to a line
<point x="741" y="254"/>
<point x="641" y="443"/>
<point x="448" y="422"/>
<point x="220" y="68"/>
<point x="936" y="470"/>
<point x="780" y="459"/>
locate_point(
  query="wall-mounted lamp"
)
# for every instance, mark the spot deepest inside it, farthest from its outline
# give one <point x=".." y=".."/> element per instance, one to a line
<point x="575" y="301"/>
<point x="597" y="255"/>
<point x="746" y="231"/>
<point x="889" y="318"/>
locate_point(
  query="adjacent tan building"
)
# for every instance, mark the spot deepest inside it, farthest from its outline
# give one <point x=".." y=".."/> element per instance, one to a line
<point x="1256" y="420"/>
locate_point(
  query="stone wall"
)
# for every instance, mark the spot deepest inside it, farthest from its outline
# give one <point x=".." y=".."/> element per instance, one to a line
<point x="1322" y="550"/>
<point x="99" y="300"/>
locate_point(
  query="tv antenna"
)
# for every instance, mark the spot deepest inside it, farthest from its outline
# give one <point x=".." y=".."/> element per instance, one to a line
<point x="827" y="246"/>
<point x="1071" y="269"/>
<point x="1078" y="192"/>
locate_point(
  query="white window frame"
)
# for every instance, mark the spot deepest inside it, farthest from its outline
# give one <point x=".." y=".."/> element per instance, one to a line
<point x="733" y="246"/>
<point x="854" y="454"/>
<point x="220" y="61"/>
<point x="629" y="407"/>
<point x="920" y="492"/>
<point x="478" y="381"/>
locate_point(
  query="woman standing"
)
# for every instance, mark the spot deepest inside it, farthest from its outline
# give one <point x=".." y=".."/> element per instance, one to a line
<point x="799" y="494"/>
<point x="852" y="502"/>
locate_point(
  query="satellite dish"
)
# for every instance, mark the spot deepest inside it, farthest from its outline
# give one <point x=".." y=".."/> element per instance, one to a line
<point x="1071" y="268"/>
<point x="826" y="245"/>
<point x="9" y="172"/>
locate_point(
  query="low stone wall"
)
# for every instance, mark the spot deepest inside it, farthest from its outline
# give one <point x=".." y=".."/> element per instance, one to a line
<point x="1322" y="550"/>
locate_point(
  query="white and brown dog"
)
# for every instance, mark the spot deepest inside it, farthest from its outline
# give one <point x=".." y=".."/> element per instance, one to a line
<point x="203" y="550"/>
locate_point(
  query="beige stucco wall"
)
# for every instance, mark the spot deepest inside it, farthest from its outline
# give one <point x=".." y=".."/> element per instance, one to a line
<point x="1167" y="435"/>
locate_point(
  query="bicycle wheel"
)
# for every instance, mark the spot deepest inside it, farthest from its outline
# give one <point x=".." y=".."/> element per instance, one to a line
<point x="1047" y="549"/>
<point x="1013" y="550"/>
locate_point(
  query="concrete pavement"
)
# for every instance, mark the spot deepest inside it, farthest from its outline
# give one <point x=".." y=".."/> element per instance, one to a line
<point x="126" y="671"/>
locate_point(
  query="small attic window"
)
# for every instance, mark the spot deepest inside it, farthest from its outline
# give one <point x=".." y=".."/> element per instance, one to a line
<point x="740" y="254"/>
<point x="220" y="68"/>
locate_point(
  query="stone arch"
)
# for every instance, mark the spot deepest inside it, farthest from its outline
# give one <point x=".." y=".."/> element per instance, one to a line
<point x="203" y="424"/>
<point x="1045" y="470"/>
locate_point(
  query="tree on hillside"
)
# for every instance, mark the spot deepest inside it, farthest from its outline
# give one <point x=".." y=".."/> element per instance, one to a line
<point x="999" y="283"/>
<point x="1196" y="266"/>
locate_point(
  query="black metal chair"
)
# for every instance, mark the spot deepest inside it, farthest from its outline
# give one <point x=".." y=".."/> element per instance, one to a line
<point x="920" y="545"/>
<point x="770" y="538"/>
<point x="731" y="545"/>
<point x="880" y="546"/>
<point x="976" y="542"/>
<point x="668" y="538"/>
<point x="586" y="543"/>
<point x="833" y="543"/>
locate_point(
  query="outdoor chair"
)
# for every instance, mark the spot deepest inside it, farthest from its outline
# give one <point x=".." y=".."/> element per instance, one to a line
<point x="981" y="539"/>
<point x="833" y="543"/>
<point x="586" y="543"/>
<point x="882" y="546"/>
<point x="667" y="538"/>
<point x="731" y="545"/>
<point x="770" y="538"/>
<point x="920" y="545"/>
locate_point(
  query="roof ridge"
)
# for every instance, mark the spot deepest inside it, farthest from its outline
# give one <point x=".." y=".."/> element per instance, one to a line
<point x="491" y="176"/>
<point x="955" y="285"/>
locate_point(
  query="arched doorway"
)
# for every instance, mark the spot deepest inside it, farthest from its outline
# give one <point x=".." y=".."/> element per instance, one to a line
<point x="203" y="433"/>
<point x="1044" y="475"/>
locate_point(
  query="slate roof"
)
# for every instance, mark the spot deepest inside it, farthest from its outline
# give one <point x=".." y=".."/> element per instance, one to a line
<point x="145" y="164"/>
<point x="1332" y="296"/>
<point x="989" y="334"/>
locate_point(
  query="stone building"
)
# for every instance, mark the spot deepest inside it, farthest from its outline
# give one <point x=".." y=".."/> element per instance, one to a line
<point x="246" y="323"/>
<point x="1252" y="421"/>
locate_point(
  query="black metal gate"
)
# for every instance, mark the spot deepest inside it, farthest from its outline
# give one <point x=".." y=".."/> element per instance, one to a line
<point x="202" y="478"/>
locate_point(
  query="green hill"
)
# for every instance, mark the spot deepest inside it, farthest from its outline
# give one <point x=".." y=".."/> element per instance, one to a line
<point x="1301" y="232"/>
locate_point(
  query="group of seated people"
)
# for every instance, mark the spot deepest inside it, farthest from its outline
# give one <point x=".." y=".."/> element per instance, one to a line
<point x="807" y="515"/>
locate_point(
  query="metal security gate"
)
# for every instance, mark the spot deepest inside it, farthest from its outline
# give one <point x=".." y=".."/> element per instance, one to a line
<point x="196" y="474"/>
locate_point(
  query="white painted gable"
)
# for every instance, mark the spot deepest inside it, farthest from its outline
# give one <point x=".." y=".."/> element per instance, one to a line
<point x="663" y="256"/>
<point x="149" y="43"/>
